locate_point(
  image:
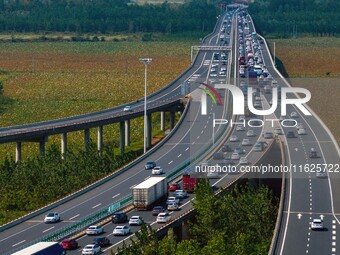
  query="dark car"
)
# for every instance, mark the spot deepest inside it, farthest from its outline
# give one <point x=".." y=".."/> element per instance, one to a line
<point x="119" y="217"/>
<point x="174" y="187"/>
<point x="313" y="153"/>
<point x="226" y="148"/>
<point x="157" y="209"/>
<point x="218" y="155"/>
<point x="150" y="165"/>
<point x="102" y="241"/>
<point x="290" y="134"/>
<point x="69" y="244"/>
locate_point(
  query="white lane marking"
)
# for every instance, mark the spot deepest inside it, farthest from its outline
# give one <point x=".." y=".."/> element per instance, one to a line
<point x="116" y="195"/>
<point x="18" y="243"/>
<point x="132" y="186"/>
<point x="179" y="155"/>
<point x="147" y="178"/>
<point x="198" y="137"/>
<point x="170" y="162"/>
<point x="75" y="216"/>
<point x="48" y="229"/>
<point x="96" y="205"/>
<point x="187" y="149"/>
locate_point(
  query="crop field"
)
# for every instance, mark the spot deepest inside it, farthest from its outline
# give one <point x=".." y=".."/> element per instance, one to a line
<point x="313" y="63"/>
<point x="60" y="79"/>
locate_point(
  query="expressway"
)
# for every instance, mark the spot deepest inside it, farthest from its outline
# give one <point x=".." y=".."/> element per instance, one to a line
<point x="194" y="132"/>
<point x="307" y="196"/>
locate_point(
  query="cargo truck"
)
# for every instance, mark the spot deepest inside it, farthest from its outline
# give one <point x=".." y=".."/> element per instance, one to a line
<point x="42" y="248"/>
<point x="149" y="192"/>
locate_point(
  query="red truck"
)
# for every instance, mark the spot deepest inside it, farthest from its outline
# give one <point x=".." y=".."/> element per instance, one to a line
<point x="189" y="183"/>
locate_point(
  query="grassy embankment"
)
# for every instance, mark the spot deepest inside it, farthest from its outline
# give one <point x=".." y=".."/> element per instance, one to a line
<point x="313" y="63"/>
<point x="60" y="79"/>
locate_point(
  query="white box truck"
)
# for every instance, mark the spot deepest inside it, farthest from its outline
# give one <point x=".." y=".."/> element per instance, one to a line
<point x="149" y="192"/>
<point x="42" y="248"/>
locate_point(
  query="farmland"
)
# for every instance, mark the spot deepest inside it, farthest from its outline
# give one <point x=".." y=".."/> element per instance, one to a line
<point x="61" y="79"/>
<point x="313" y="63"/>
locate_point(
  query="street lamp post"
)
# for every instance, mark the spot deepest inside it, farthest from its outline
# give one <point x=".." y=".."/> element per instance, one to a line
<point x="145" y="61"/>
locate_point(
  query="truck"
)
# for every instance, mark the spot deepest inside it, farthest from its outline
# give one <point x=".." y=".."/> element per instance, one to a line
<point x="42" y="248"/>
<point x="189" y="183"/>
<point x="149" y="192"/>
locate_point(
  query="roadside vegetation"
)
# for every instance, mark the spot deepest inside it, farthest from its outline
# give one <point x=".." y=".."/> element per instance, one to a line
<point x="241" y="222"/>
<point x="35" y="182"/>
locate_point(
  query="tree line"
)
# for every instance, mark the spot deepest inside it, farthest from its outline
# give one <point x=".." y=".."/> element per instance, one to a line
<point x="240" y="222"/>
<point x="286" y="18"/>
<point x="106" y="16"/>
<point x="35" y="182"/>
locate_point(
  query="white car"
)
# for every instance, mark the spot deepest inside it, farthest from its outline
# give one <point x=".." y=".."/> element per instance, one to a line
<point x="163" y="218"/>
<point x="317" y="224"/>
<point x="268" y="135"/>
<point x="173" y="207"/>
<point x="302" y="131"/>
<point x="250" y="133"/>
<point x="135" y="220"/>
<point x="245" y="142"/>
<point x="213" y="174"/>
<point x="157" y="170"/>
<point x="233" y="138"/>
<point x="121" y="231"/>
<point x="94" y="230"/>
<point x="278" y="131"/>
<point x="52" y="217"/>
<point x="239" y="128"/>
<point x="127" y="108"/>
<point x="235" y="156"/>
<point x="294" y="115"/>
<point x="243" y="161"/>
<point x="172" y="200"/>
<point x="321" y="174"/>
<point x="91" y="249"/>
<point x="299" y="125"/>
<point x="180" y="194"/>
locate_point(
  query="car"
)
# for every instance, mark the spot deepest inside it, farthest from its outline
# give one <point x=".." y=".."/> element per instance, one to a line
<point x="94" y="230"/>
<point x="226" y="148"/>
<point x="250" y="133"/>
<point x="243" y="161"/>
<point x="69" y="244"/>
<point x="173" y="207"/>
<point x="245" y="142"/>
<point x="91" y="249"/>
<point x="278" y="131"/>
<point x="321" y="174"/>
<point x="127" y="108"/>
<point x="257" y="104"/>
<point x="239" y="128"/>
<point x="299" y="125"/>
<point x="157" y="170"/>
<point x="228" y="161"/>
<point x="157" y="209"/>
<point x="233" y="138"/>
<point x="235" y="156"/>
<point x="102" y="241"/>
<point x="119" y="217"/>
<point x="218" y="155"/>
<point x="241" y="117"/>
<point x="135" y="221"/>
<point x="268" y="135"/>
<point x="294" y="115"/>
<point x="239" y="150"/>
<point x="163" y="218"/>
<point x="180" y="194"/>
<point x="302" y="131"/>
<point x="313" y="153"/>
<point x="258" y="147"/>
<point x="213" y="174"/>
<point x="174" y="186"/>
<point x="317" y="224"/>
<point x="290" y="134"/>
<point x="121" y="231"/>
<point x="52" y="217"/>
<point x="150" y="165"/>
<point x="172" y="200"/>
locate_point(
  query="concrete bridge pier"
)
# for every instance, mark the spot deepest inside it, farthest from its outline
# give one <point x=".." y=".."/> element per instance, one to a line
<point x="162" y="121"/>
<point x="18" y="155"/>
<point x="127" y="132"/>
<point x="42" y="146"/>
<point x="63" y="145"/>
<point x="172" y="119"/>
<point x="86" y="139"/>
<point x="122" y="137"/>
<point x="100" y="140"/>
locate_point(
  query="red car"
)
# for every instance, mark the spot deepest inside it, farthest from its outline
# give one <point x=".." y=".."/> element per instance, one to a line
<point x="174" y="187"/>
<point x="69" y="244"/>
